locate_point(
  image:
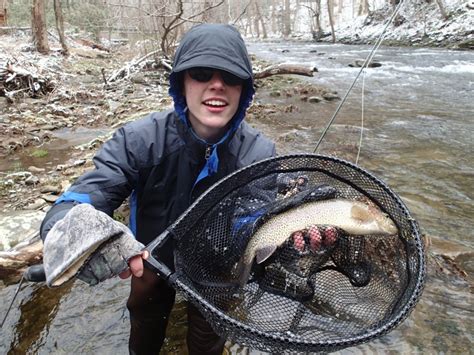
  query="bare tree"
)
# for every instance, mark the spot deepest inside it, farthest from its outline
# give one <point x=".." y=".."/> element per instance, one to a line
<point x="286" y="18"/>
<point x="259" y="19"/>
<point x="331" y="19"/>
<point x="3" y="12"/>
<point x="58" y="13"/>
<point x="38" y="27"/>
<point x="442" y="9"/>
<point x="363" y="7"/>
<point x="174" y="21"/>
<point x="316" y="29"/>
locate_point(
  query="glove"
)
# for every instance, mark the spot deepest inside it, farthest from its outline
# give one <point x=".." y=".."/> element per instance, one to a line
<point x="89" y="244"/>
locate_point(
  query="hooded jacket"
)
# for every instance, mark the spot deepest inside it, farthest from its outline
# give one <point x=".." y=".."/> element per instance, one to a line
<point x="158" y="161"/>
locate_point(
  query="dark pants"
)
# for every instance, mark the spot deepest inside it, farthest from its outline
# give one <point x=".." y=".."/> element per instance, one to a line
<point x="150" y="303"/>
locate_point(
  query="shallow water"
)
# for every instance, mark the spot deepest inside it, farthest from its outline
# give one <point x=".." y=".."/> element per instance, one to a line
<point x="418" y="124"/>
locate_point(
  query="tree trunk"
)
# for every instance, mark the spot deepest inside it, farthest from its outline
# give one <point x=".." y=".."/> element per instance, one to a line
<point x="38" y="26"/>
<point x="3" y="13"/>
<point x="286" y="19"/>
<point x="363" y="7"/>
<point x="58" y="13"/>
<point x="258" y="15"/>
<point x="442" y="9"/>
<point x="331" y="20"/>
<point x="317" y="16"/>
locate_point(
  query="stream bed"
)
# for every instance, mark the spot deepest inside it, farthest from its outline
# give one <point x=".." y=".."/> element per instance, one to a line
<point x="417" y="110"/>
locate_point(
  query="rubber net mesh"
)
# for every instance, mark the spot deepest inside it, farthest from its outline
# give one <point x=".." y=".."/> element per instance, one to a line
<point x="328" y="294"/>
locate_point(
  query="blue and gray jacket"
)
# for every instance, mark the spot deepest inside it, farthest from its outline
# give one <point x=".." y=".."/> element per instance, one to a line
<point x="158" y="161"/>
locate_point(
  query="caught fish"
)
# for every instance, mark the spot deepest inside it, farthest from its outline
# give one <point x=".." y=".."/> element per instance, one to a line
<point x="353" y="217"/>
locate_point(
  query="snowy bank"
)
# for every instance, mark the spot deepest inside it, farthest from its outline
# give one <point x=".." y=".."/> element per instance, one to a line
<point x="420" y="25"/>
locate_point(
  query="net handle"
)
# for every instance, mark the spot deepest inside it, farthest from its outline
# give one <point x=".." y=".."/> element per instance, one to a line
<point x="154" y="264"/>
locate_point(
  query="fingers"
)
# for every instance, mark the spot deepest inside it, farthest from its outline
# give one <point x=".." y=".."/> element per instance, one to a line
<point x="298" y="241"/>
<point x="135" y="265"/>
<point x="125" y="274"/>
<point x="315" y="238"/>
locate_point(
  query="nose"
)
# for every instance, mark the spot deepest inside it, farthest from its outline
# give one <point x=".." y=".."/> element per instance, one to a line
<point x="216" y="80"/>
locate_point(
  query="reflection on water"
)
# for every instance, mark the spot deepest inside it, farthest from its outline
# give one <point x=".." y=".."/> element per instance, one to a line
<point x="417" y="137"/>
<point x="58" y="149"/>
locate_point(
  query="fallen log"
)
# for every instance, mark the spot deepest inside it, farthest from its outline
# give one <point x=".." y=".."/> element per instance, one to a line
<point x="14" y="262"/>
<point x="280" y="69"/>
<point x="93" y="45"/>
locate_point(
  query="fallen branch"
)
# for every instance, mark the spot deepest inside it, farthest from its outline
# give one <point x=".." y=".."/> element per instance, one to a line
<point x="136" y="65"/>
<point x="280" y="69"/>
<point x="93" y="45"/>
<point x="16" y="79"/>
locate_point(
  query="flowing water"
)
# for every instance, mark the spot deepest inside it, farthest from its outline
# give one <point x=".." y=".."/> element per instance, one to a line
<point x="418" y="125"/>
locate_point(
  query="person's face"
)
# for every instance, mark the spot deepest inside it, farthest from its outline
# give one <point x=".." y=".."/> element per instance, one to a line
<point x="213" y="99"/>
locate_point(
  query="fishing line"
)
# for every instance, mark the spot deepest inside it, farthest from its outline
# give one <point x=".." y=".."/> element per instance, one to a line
<point x="361" y="120"/>
<point x="363" y="67"/>
<point x="13" y="300"/>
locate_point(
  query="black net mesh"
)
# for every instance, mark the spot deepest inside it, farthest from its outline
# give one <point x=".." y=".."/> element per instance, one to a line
<point x="328" y="292"/>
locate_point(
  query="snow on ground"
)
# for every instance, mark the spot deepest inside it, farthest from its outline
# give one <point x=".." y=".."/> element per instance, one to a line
<point x="416" y="24"/>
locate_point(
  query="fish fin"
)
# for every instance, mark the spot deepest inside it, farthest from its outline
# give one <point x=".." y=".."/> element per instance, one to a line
<point x="264" y="253"/>
<point x="243" y="271"/>
<point x="360" y="213"/>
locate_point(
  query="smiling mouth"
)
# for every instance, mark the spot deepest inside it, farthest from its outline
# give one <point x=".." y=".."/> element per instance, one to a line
<point x="215" y="103"/>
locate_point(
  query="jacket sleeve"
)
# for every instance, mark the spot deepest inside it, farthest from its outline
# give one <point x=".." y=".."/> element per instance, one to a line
<point x="107" y="186"/>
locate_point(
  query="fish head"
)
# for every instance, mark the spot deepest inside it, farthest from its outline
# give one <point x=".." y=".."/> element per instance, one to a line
<point x="373" y="219"/>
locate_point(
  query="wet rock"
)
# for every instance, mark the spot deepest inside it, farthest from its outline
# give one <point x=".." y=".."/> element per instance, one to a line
<point x="138" y="78"/>
<point x="269" y="111"/>
<point x="90" y="111"/>
<point x="19" y="176"/>
<point x="329" y="96"/>
<point x="291" y="108"/>
<point x="78" y="162"/>
<point x="360" y="63"/>
<point x="3" y="103"/>
<point x="36" y="205"/>
<point x="50" y="189"/>
<point x="314" y="99"/>
<point x="291" y="136"/>
<point x="32" y="180"/>
<point x="35" y="169"/>
<point x="18" y="226"/>
<point x="128" y="90"/>
<point x="49" y="198"/>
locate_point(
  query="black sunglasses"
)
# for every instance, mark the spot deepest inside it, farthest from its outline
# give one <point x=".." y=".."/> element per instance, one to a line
<point x="203" y="75"/>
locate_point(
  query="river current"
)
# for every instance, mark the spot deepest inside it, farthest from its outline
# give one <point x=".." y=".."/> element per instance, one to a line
<point x="418" y="119"/>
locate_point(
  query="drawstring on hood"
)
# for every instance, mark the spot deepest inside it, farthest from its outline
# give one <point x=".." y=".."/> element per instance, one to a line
<point x="214" y="46"/>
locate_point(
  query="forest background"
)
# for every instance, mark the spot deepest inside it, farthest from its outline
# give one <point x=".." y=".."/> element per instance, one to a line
<point x="161" y="23"/>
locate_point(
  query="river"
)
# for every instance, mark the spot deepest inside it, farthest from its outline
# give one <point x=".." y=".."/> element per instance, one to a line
<point x="418" y="111"/>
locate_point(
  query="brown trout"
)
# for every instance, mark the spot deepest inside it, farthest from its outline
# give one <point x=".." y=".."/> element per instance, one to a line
<point x="353" y="217"/>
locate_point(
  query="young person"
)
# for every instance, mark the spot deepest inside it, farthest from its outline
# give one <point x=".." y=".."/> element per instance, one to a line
<point x="166" y="160"/>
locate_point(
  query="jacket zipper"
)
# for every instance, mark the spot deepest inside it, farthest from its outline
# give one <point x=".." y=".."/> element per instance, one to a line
<point x="207" y="155"/>
<point x="208" y="152"/>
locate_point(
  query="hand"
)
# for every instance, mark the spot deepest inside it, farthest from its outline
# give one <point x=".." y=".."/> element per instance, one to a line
<point x="135" y="266"/>
<point x="315" y="238"/>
